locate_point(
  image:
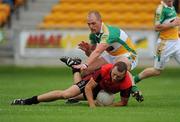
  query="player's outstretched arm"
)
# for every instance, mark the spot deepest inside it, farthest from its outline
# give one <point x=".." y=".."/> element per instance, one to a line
<point x="123" y="102"/>
<point x="97" y="52"/>
<point x="93" y="57"/>
<point x="164" y="26"/>
<point x="88" y="91"/>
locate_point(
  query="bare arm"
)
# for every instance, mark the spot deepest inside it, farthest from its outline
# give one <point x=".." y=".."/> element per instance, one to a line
<point x="160" y="27"/>
<point x="100" y="48"/>
<point x="123" y="102"/>
<point x="88" y="91"/>
<point x="125" y="94"/>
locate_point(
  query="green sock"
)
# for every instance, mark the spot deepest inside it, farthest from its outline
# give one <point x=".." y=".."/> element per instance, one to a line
<point x="134" y="88"/>
<point x="136" y="79"/>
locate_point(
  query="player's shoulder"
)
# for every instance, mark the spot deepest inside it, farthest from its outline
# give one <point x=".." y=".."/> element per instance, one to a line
<point x="110" y="30"/>
<point x="106" y="32"/>
<point x="126" y="83"/>
<point x="127" y="77"/>
<point x="159" y="8"/>
<point x="127" y="74"/>
<point x="106" y="68"/>
<point x="112" y="34"/>
<point x="113" y="29"/>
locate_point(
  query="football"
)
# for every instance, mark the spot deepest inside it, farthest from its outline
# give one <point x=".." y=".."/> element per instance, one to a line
<point x="104" y="98"/>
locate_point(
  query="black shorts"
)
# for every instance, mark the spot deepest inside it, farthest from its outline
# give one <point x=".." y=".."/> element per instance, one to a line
<point x="82" y="85"/>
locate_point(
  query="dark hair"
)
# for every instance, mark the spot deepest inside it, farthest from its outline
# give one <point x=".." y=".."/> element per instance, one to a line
<point x="96" y="13"/>
<point x="121" y="66"/>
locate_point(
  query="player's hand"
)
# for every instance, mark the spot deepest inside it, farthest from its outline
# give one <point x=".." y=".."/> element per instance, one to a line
<point x="81" y="66"/>
<point x="92" y="106"/>
<point x="84" y="46"/>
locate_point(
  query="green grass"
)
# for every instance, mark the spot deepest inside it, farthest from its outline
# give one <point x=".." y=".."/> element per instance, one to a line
<point x="162" y="98"/>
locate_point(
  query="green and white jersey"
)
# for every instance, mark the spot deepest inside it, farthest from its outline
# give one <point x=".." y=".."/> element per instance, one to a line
<point x="118" y="41"/>
<point x="165" y="14"/>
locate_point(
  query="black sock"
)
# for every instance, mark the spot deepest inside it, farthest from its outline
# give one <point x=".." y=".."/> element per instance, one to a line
<point x="31" y="101"/>
<point x="74" y="70"/>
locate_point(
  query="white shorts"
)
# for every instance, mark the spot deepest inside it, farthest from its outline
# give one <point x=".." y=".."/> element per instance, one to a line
<point x="112" y="59"/>
<point x="165" y="50"/>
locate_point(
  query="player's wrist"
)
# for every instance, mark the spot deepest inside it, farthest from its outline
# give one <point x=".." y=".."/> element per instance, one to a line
<point x="86" y="65"/>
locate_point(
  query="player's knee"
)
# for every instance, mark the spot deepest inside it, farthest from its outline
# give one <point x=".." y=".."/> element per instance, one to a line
<point x="157" y="72"/>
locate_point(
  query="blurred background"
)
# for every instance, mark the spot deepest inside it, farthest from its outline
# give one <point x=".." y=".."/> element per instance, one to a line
<point x="38" y="32"/>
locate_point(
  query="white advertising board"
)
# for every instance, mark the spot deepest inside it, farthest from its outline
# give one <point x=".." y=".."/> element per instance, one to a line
<point x="40" y="43"/>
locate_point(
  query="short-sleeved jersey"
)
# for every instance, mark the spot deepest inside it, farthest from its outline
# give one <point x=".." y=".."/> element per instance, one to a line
<point x="165" y="14"/>
<point x="103" y="78"/>
<point x="118" y="41"/>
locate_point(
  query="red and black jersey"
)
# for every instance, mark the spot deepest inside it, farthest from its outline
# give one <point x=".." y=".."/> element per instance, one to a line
<point x="103" y="77"/>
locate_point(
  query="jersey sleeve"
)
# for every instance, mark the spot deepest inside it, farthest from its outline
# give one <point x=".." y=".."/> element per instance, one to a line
<point x="111" y="34"/>
<point x="126" y="92"/>
<point x="159" y="15"/>
<point x="105" y="69"/>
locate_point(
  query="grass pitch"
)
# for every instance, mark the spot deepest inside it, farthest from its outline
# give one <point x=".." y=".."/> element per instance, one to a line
<point x="162" y="98"/>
